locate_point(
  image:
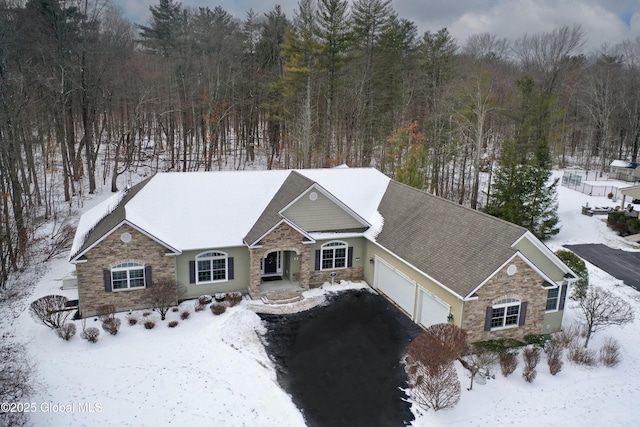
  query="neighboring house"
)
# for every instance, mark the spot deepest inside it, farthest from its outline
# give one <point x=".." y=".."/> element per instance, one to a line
<point x="624" y="171"/>
<point x="289" y="230"/>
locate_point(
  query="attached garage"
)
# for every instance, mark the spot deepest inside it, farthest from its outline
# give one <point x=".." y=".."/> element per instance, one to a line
<point x="395" y="285"/>
<point x="400" y="289"/>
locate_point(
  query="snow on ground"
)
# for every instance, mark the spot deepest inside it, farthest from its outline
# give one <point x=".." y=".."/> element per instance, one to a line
<point x="213" y="370"/>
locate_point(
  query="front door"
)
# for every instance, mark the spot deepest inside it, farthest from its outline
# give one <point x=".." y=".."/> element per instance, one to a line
<point x="272" y="264"/>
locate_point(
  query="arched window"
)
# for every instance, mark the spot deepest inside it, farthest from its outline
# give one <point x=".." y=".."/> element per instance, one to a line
<point x="334" y="255"/>
<point x="127" y="275"/>
<point x="211" y="267"/>
<point x="505" y="313"/>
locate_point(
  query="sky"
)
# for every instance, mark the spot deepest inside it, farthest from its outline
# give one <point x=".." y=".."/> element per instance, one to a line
<point x="170" y="375"/>
<point x="603" y="21"/>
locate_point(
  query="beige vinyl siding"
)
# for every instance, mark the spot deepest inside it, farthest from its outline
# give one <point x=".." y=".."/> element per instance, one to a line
<point x="539" y="259"/>
<point x="240" y="280"/>
<point x="321" y="214"/>
<point x="372" y="250"/>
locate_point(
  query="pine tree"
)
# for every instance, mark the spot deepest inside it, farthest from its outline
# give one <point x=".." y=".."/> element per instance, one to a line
<point x="523" y="192"/>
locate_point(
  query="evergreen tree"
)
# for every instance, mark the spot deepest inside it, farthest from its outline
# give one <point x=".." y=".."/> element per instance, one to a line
<point x="523" y="192"/>
<point x="163" y="33"/>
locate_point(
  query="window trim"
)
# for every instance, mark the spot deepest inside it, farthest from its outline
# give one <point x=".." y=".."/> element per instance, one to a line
<point x="506" y="303"/>
<point x="332" y="246"/>
<point x="211" y="256"/>
<point x="557" y="298"/>
<point x="128" y="267"/>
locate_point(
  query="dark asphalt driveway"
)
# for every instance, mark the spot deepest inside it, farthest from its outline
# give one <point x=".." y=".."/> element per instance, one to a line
<point x="620" y="264"/>
<point x="341" y="362"/>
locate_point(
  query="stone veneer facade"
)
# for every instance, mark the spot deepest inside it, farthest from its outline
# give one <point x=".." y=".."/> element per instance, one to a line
<point x="282" y="238"/>
<point x="525" y="285"/>
<point x="110" y="252"/>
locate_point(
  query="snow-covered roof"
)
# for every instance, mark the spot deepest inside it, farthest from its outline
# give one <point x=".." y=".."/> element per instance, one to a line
<point x="198" y="210"/>
<point x="92" y="217"/>
<point x="621" y="164"/>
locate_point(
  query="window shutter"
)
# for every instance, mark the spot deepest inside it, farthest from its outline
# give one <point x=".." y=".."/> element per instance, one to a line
<point x="317" y="259"/>
<point x="563" y="297"/>
<point x="147" y="276"/>
<point x="523" y="313"/>
<point x="350" y="257"/>
<point x="192" y="272"/>
<point x="230" y="268"/>
<point x="106" y="274"/>
<point x="487" y="318"/>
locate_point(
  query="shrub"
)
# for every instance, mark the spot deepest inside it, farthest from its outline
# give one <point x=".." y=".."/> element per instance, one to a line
<point x="199" y="306"/>
<point x="610" y="352"/>
<point x="205" y="299"/>
<point x="185" y="315"/>
<point x="569" y="335"/>
<point x="531" y="358"/>
<point x="439" y="345"/>
<point x="173" y="324"/>
<point x="218" y="309"/>
<point x="220" y="297"/>
<point x="538" y="340"/>
<point x="132" y="319"/>
<point x="111" y="325"/>
<point x="90" y="334"/>
<point x="106" y="312"/>
<point x="508" y="362"/>
<point x="434" y="388"/>
<point x="146" y="314"/>
<point x="580" y="355"/>
<point x="164" y="295"/>
<point x="175" y="309"/>
<point x="66" y="331"/>
<point x="149" y="324"/>
<point x="234" y="298"/>
<point x="554" y="356"/>
<point x="577" y="265"/>
<point x="50" y="310"/>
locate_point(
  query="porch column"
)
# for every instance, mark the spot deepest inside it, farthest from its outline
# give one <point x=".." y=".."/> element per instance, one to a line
<point x="305" y="267"/>
<point x="255" y="255"/>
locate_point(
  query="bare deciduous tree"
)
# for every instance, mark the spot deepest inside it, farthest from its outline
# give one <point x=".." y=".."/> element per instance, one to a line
<point x="164" y="295"/>
<point x="601" y="308"/>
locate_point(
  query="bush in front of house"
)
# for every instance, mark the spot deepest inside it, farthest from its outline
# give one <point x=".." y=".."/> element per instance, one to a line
<point x="50" y="310"/>
<point x="531" y="357"/>
<point x="184" y="315"/>
<point x="205" y="299"/>
<point x="111" y="325"/>
<point x="233" y="298"/>
<point x="218" y="309"/>
<point x="66" y="331"/>
<point x="90" y="334"/>
<point x="508" y="362"/>
<point x="132" y="319"/>
<point x="610" y="352"/>
<point x="553" y="349"/>
<point x="149" y="323"/>
<point x="172" y="324"/>
<point x="578" y="354"/>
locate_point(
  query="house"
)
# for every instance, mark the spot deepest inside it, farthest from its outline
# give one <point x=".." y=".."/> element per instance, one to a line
<point x="624" y="171"/>
<point x="261" y="232"/>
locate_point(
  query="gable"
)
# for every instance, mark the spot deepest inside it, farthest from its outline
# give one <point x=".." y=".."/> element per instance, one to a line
<point x="541" y="260"/>
<point x="315" y="211"/>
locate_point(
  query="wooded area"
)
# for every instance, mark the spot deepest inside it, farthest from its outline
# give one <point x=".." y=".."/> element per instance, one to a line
<point x="87" y="95"/>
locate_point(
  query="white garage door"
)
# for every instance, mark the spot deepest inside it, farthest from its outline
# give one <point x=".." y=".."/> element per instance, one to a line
<point x="395" y="285"/>
<point x="431" y="310"/>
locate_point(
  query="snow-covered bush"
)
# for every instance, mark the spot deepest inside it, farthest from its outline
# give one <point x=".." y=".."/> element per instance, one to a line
<point x="234" y="298"/>
<point x="111" y="325"/>
<point x="205" y="299"/>
<point x="218" y="309"/>
<point x="531" y="357"/>
<point x="90" y="334"/>
<point x="50" y="310"/>
<point x="149" y="323"/>
<point x="173" y="324"/>
<point x="66" y="331"/>
<point x="132" y="319"/>
<point x="184" y="315"/>
<point x="580" y="355"/>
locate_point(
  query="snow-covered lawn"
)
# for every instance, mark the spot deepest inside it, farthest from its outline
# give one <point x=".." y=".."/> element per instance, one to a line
<point x="213" y="370"/>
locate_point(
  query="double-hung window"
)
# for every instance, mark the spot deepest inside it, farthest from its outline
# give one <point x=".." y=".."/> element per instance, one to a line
<point x="211" y="267"/>
<point x="553" y="297"/>
<point x="505" y="313"/>
<point x="334" y="255"/>
<point x="128" y="275"/>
